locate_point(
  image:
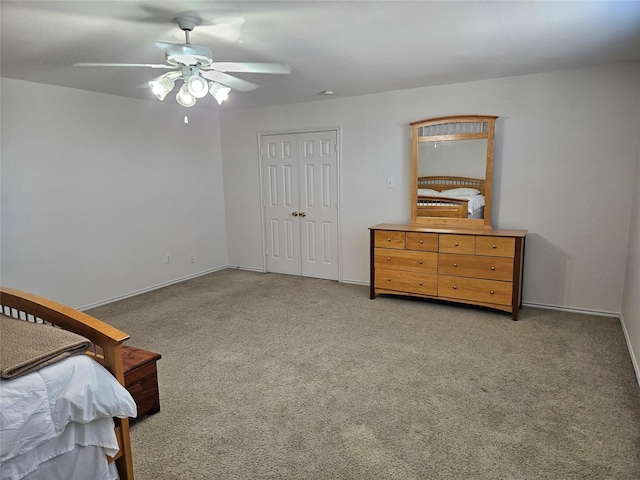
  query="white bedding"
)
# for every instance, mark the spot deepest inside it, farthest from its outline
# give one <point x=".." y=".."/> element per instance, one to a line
<point x="51" y="411"/>
<point x="81" y="463"/>
<point x="475" y="201"/>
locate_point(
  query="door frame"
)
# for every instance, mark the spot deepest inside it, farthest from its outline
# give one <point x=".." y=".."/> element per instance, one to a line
<point x="294" y="131"/>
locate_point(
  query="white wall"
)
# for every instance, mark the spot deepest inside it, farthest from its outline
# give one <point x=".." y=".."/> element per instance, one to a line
<point x="631" y="300"/>
<point x="97" y="189"/>
<point x="566" y="154"/>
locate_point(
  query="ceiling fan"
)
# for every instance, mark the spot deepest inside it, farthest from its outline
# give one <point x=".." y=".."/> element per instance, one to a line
<point x="200" y="74"/>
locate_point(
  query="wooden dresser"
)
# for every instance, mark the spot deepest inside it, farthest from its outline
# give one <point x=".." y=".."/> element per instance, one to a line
<point x="474" y="266"/>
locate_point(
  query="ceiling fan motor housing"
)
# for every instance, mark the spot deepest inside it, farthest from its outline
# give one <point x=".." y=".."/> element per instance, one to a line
<point x="186" y="22"/>
<point x="188" y="54"/>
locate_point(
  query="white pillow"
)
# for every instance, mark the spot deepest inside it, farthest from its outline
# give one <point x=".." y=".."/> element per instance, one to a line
<point x="427" y="192"/>
<point x="465" y="192"/>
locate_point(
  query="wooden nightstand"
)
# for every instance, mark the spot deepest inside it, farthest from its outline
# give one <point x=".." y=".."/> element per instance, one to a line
<point x="141" y="378"/>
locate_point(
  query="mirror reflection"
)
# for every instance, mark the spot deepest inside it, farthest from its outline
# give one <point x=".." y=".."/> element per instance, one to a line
<point x="452" y="166"/>
<point x="463" y="158"/>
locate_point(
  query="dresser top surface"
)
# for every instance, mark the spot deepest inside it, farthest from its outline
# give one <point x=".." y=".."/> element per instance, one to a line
<point x="494" y="232"/>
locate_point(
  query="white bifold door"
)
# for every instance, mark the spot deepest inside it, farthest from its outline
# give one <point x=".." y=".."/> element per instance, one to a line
<point x="299" y="173"/>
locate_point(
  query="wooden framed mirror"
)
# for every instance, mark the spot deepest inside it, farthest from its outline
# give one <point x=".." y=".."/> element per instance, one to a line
<point x="451" y="173"/>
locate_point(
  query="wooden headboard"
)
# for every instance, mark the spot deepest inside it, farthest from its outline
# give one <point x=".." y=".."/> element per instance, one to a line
<point x="444" y="182"/>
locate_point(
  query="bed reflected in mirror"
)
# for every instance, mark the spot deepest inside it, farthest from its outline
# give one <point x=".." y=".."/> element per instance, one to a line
<point x="452" y="164"/>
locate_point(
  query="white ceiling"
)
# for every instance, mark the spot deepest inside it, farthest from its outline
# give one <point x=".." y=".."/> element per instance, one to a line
<point x="352" y="47"/>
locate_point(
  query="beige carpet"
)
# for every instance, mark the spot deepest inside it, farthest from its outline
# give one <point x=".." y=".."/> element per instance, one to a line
<point x="268" y="376"/>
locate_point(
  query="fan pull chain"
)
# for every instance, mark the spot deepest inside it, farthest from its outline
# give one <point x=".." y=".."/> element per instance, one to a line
<point x="186" y="119"/>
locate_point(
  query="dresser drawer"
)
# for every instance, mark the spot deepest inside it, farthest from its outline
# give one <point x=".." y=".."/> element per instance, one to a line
<point x="475" y="266"/>
<point x="496" y="246"/>
<point x="457" y="244"/>
<point x="487" y="291"/>
<point x="403" y="281"/>
<point x="389" y="239"/>
<point x="422" y="241"/>
<point x="426" y="262"/>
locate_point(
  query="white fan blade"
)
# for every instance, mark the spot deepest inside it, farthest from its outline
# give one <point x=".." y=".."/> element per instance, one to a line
<point x="232" y="82"/>
<point x="277" y="68"/>
<point x="226" y="29"/>
<point x="149" y="65"/>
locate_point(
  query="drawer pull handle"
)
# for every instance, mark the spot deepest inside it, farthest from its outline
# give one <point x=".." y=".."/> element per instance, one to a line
<point x="455" y="264"/>
<point x="388" y="239"/>
<point x="491" y="292"/>
<point x="455" y="244"/>
<point x="388" y="259"/>
<point x="388" y="279"/>
<point x="454" y="287"/>
<point x="493" y="246"/>
<point x="493" y="268"/>
<point x="420" y="283"/>
<point x="420" y="262"/>
<point x="420" y="242"/>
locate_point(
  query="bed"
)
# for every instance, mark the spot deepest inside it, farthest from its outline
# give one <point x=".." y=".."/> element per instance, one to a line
<point x="453" y="197"/>
<point x="74" y="423"/>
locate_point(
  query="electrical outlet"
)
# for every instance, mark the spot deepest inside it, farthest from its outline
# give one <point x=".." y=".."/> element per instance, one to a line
<point x="193" y="259"/>
<point x="390" y="182"/>
<point x="168" y="258"/>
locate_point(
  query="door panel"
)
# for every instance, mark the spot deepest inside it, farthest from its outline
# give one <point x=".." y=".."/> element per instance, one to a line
<point x="319" y="195"/>
<point x="281" y="192"/>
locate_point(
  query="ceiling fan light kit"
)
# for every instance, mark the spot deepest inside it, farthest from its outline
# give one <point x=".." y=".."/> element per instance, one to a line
<point x="194" y="65"/>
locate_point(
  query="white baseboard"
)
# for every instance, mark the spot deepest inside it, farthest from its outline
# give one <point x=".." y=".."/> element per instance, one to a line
<point x="634" y="359"/>
<point x="148" y="289"/>
<point x="572" y="309"/>
<point x="247" y="269"/>
<point x="355" y="282"/>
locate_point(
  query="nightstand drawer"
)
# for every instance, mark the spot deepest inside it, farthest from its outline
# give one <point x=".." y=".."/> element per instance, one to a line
<point x="141" y="378"/>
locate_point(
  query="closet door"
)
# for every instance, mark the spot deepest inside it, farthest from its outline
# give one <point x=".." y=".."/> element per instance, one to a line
<point x="318" y="204"/>
<point x="281" y="203"/>
<point x="301" y="203"/>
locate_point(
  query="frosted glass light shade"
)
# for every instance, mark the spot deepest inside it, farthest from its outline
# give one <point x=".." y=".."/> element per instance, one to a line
<point x="161" y="87"/>
<point x="184" y="98"/>
<point x="197" y="86"/>
<point x="219" y="92"/>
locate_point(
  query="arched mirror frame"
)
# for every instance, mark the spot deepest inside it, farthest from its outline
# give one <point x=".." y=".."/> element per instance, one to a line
<point x="454" y="128"/>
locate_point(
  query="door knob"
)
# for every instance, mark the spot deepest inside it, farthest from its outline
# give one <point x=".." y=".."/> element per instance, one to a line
<point x="303" y="214"/>
<point x="295" y="214"/>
